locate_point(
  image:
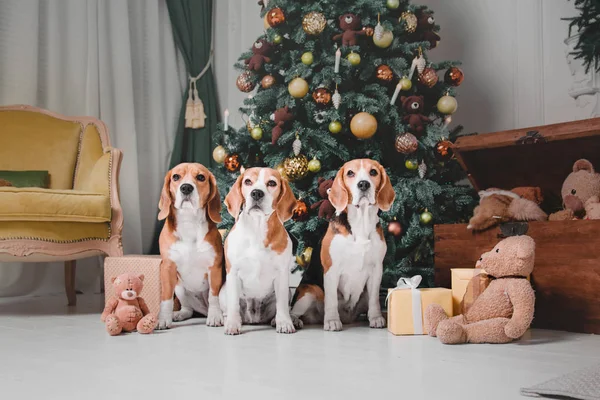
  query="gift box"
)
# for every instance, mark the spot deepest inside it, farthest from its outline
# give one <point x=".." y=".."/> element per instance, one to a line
<point x="138" y="264"/>
<point x="407" y="304"/>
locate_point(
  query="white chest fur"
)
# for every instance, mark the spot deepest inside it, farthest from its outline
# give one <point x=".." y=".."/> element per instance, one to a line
<point x="255" y="264"/>
<point x="357" y="255"/>
<point x="192" y="254"/>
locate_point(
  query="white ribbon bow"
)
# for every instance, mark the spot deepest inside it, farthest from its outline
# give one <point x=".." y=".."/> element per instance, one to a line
<point x="417" y="311"/>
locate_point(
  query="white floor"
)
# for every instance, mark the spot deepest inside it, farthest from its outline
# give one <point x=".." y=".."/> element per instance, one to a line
<point x="49" y="351"/>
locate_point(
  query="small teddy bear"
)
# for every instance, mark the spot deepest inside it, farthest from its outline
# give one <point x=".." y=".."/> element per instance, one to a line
<point x="425" y="24"/>
<point x="326" y="209"/>
<point x="414" y="105"/>
<point x="261" y="50"/>
<point x="127" y="311"/>
<point x="580" y="193"/>
<point x="352" y="27"/>
<point x="280" y="117"/>
<point x="504" y="310"/>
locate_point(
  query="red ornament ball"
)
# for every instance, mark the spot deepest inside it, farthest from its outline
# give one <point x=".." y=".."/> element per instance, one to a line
<point x="300" y="212"/>
<point x="443" y="150"/>
<point x="395" y="228"/>
<point x="244" y="82"/>
<point x="454" y="76"/>
<point x="232" y="162"/>
<point x="275" y="17"/>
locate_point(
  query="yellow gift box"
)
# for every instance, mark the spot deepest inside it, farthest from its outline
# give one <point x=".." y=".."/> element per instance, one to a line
<point x="402" y="319"/>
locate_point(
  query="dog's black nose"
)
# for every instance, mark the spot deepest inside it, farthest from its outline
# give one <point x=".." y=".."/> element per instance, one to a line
<point x="186" y="188"/>
<point x="257" y="194"/>
<point x="364" y="185"/>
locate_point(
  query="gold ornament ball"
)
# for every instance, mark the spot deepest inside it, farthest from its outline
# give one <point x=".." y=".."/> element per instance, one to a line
<point x="244" y="82"/>
<point x="429" y="77"/>
<point x="314" y="165"/>
<point x="406" y="143"/>
<point x="307" y="58"/>
<point x="454" y="76"/>
<point x="385" y="41"/>
<point x="354" y="59"/>
<point x="219" y="154"/>
<point x="281" y="171"/>
<point x="298" y="88"/>
<point x="410" y="21"/>
<point x="426" y="217"/>
<point x="363" y="125"/>
<point x="232" y="162"/>
<point x="296" y="167"/>
<point x="411" y="165"/>
<point x="392" y="4"/>
<point x="395" y="228"/>
<point x="256" y="133"/>
<point x="277" y="39"/>
<point x="405" y="84"/>
<point x="303" y="259"/>
<point x="267" y="81"/>
<point x="384" y="73"/>
<point x="322" y="96"/>
<point x="275" y="17"/>
<point x="447" y="105"/>
<point x="335" y="127"/>
<point x="314" y="23"/>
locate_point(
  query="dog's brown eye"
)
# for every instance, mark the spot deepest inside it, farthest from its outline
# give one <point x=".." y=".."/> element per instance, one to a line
<point x="350" y="173"/>
<point x="573" y="191"/>
<point x="272" y="183"/>
<point x="201" y="177"/>
<point x="175" y="177"/>
<point x="247" y="182"/>
<point x="373" y="172"/>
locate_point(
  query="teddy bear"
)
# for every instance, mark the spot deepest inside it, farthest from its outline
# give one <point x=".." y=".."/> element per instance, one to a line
<point x="497" y="206"/>
<point x="425" y="24"/>
<point x="280" y="117"/>
<point x="580" y="193"/>
<point x="504" y="310"/>
<point x="351" y="26"/>
<point x="4" y="182"/>
<point x="127" y="311"/>
<point x="326" y="209"/>
<point x="261" y="49"/>
<point x="413" y="106"/>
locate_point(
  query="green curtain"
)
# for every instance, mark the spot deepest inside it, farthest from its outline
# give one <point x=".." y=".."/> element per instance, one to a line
<point x="191" y="21"/>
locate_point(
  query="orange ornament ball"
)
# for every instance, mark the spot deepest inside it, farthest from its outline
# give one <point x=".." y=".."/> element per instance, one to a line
<point x="363" y="125"/>
<point x="275" y="17"/>
<point x="322" y="96"/>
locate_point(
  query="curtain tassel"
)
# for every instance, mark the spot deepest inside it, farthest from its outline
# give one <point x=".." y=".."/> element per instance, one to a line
<point x="194" y="108"/>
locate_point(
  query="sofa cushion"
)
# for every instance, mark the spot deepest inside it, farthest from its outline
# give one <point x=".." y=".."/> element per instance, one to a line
<point x="59" y="232"/>
<point x="36" y="204"/>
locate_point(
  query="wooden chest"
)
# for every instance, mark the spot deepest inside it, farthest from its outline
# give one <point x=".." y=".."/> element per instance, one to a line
<point x="566" y="276"/>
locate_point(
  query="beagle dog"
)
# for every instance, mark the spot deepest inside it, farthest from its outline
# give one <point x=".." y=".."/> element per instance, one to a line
<point x="190" y="245"/>
<point x="352" y="250"/>
<point x="258" y="252"/>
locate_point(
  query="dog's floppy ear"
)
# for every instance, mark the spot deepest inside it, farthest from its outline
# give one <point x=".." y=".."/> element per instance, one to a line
<point x="286" y="202"/>
<point x="386" y="194"/>
<point x="338" y="195"/>
<point x="235" y="199"/>
<point x="164" y="204"/>
<point x="214" y="200"/>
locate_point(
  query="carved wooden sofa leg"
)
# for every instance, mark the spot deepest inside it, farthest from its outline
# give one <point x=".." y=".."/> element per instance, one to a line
<point x="70" y="268"/>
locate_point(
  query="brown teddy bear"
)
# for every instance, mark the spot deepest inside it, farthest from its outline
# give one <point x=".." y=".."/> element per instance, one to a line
<point x="127" y="311"/>
<point x="261" y="50"/>
<point x="326" y="209"/>
<point x="425" y="25"/>
<point x="352" y="27"/>
<point x="497" y="206"/>
<point x="504" y="310"/>
<point x="281" y="117"/>
<point x="580" y="193"/>
<point x="413" y="106"/>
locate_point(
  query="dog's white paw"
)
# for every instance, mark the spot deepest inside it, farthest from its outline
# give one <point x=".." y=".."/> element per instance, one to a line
<point x="214" y="317"/>
<point x="233" y="326"/>
<point x="164" y="322"/>
<point x="185" y="313"/>
<point x="333" y="325"/>
<point x="377" y="322"/>
<point x="285" y="326"/>
<point x="298" y="324"/>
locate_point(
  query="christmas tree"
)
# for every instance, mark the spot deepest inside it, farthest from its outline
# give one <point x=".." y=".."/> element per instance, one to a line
<point x="335" y="80"/>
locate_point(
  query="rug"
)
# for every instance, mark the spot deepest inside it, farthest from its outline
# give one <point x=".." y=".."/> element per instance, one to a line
<point x="583" y="384"/>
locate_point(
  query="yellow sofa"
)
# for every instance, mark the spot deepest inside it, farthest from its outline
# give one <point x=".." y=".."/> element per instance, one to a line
<point x="79" y="215"/>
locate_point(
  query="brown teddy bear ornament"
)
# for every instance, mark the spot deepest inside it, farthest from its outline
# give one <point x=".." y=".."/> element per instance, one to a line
<point x="504" y="310"/>
<point x="413" y="106"/>
<point x="261" y="50"/>
<point x="425" y="25"/>
<point x="281" y="116"/>
<point x="580" y="193"/>
<point x="351" y="26"/>
<point x="326" y="209"/>
<point x="127" y="311"/>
